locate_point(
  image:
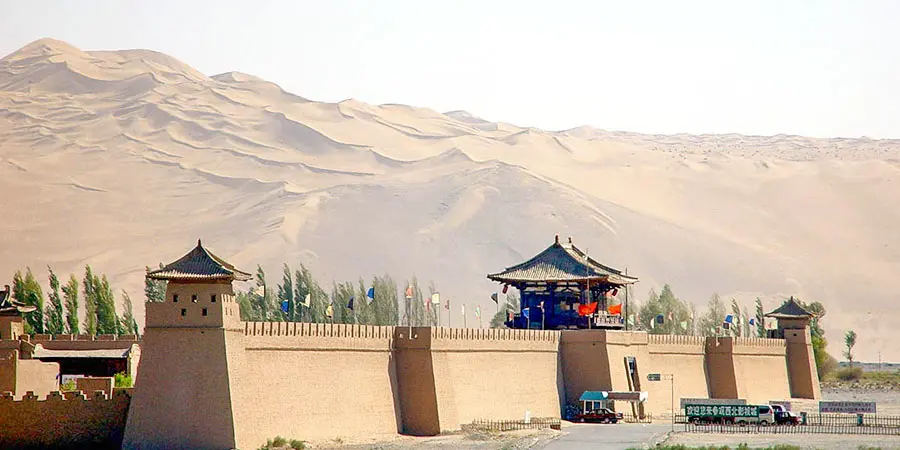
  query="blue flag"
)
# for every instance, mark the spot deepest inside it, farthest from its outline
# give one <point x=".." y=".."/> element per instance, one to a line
<point x="371" y="293"/>
<point x="527" y="313"/>
<point x="729" y="319"/>
<point x="284" y="306"/>
<point x="350" y="303"/>
<point x="660" y="318"/>
<point x="752" y="321"/>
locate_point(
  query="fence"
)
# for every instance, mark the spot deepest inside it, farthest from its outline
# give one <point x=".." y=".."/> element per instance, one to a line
<point x="815" y="424"/>
<point x="537" y="423"/>
<point x="631" y="418"/>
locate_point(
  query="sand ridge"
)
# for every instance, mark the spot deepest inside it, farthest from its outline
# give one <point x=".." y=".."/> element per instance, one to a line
<point x="123" y="159"/>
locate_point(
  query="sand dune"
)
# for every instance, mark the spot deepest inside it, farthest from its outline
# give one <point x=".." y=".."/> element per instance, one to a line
<point x="123" y="159"/>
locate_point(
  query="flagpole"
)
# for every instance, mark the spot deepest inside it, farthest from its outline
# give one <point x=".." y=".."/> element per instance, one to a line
<point x="626" y="302"/>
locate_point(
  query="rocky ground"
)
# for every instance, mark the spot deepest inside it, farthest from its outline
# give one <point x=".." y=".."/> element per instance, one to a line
<point x="512" y="440"/>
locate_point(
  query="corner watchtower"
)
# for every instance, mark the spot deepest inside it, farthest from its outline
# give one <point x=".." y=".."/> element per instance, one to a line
<point x="793" y="327"/>
<point x="199" y="293"/>
<point x="182" y="395"/>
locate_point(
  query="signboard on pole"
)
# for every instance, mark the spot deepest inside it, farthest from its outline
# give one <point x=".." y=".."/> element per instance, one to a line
<point x="653" y="377"/>
<point x="717" y="411"/>
<point x="847" y="407"/>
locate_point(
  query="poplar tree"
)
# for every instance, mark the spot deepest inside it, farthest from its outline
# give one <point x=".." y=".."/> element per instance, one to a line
<point x="28" y="291"/>
<point x="715" y="315"/>
<point x="261" y="300"/>
<point x="107" y="319"/>
<point x="675" y="312"/>
<point x="154" y="290"/>
<point x="90" y="302"/>
<point x="760" y="319"/>
<point x="737" y="326"/>
<point x="365" y="307"/>
<point x="70" y="293"/>
<point x="300" y="291"/>
<point x="55" y="324"/>
<point x="386" y="305"/>
<point x="286" y="294"/>
<point x="129" y="325"/>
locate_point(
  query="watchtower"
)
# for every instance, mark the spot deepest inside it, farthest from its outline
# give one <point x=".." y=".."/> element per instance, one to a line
<point x="182" y="395"/>
<point x="793" y="327"/>
<point x="11" y="320"/>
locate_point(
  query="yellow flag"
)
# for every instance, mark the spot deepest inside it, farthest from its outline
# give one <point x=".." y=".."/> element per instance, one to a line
<point x="329" y="312"/>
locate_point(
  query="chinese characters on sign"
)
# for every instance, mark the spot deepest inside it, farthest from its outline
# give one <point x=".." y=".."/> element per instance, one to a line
<point x="722" y="410"/>
<point x="847" y="407"/>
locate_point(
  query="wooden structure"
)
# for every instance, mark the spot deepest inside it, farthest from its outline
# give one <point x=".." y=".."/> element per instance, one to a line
<point x="563" y="288"/>
<point x="791" y="316"/>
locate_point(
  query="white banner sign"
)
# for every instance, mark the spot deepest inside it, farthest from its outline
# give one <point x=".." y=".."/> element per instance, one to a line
<point x="847" y="407"/>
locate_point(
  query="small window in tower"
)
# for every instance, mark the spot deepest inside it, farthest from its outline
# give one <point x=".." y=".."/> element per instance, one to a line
<point x="212" y="298"/>
<point x="204" y="312"/>
<point x="194" y="298"/>
<point x="183" y="312"/>
<point x="174" y="298"/>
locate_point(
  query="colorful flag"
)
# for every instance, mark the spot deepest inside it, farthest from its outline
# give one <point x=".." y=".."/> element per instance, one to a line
<point x="306" y="301"/>
<point x="505" y="288"/>
<point x="436" y="298"/>
<point x="329" y="311"/>
<point x="729" y="318"/>
<point x="477" y="311"/>
<point x="284" y="305"/>
<point x="752" y="321"/>
<point x="409" y="292"/>
<point x="350" y="303"/>
<point x="541" y="305"/>
<point x="660" y="319"/>
<point x="684" y="325"/>
<point x="370" y="295"/>
<point x="447" y="305"/>
<point x="615" y="309"/>
<point x="671" y="316"/>
<point x="631" y="320"/>
<point x="527" y="313"/>
<point x="509" y="316"/>
<point x="463" y="308"/>
<point x="588" y="309"/>
<point x="494" y="298"/>
<point x="427" y="301"/>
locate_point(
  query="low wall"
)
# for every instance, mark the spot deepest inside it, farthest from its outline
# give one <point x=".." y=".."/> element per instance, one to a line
<point x="23" y="375"/>
<point x="685" y="358"/>
<point x="75" y="421"/>
<point x="312" y="381"/>
<point x="492" y="374"/>
<point x="760" y="369"/>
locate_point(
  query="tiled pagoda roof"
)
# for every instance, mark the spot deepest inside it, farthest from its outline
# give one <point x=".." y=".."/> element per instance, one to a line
<point x="198" y="265"/>
<point x="790" y="310"/>
<point x="561" y="263"/>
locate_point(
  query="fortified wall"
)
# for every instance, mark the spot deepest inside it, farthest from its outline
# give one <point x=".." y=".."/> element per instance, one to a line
<point x="70" y="420"/>
<point x="209" y="381"/>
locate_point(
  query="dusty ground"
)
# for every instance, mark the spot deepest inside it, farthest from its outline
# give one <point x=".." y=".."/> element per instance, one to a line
<point x="512" y="440"/>
<point x="805" y="441"/>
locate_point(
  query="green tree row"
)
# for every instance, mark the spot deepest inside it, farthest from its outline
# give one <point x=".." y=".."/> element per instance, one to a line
<point x="307" y="301"/>
<point x="61" y="314"/>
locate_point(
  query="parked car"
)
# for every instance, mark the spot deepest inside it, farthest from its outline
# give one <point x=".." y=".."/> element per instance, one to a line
<point x="785" y="417"/>
<point x="601" y="415"/>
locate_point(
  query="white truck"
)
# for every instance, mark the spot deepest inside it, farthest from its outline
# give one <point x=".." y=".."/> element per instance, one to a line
<point x="762" y="415"/>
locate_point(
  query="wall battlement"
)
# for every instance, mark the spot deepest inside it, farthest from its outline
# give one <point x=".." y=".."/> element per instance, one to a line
<point x="64" y="420"/>
<point x="758" y="342"/>
<point x="493" y="334"/>
<point x="317" y="330"/>
<point x="672" y="339"/>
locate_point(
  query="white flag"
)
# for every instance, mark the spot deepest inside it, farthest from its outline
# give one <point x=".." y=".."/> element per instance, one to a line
<point x="306" y="301"/>
<point x="436" y="298"/>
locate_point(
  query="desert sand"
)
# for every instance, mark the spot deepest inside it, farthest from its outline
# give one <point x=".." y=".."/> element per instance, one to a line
<point x="122" y="159"/>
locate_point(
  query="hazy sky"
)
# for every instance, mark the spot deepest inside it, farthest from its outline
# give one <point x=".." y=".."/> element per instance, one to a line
<point x="815" y="68"/>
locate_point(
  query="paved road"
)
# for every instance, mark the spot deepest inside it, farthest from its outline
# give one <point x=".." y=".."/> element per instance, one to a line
<point x="608" y="436"/>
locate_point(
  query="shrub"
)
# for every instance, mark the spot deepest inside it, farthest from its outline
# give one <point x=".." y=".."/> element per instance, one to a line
<point x="298" y="445"/>
<point x="67" y="386"/>
<point x="123" y="381"/>
<point x="279" y="442"/>
<point x="849" y="374"/>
